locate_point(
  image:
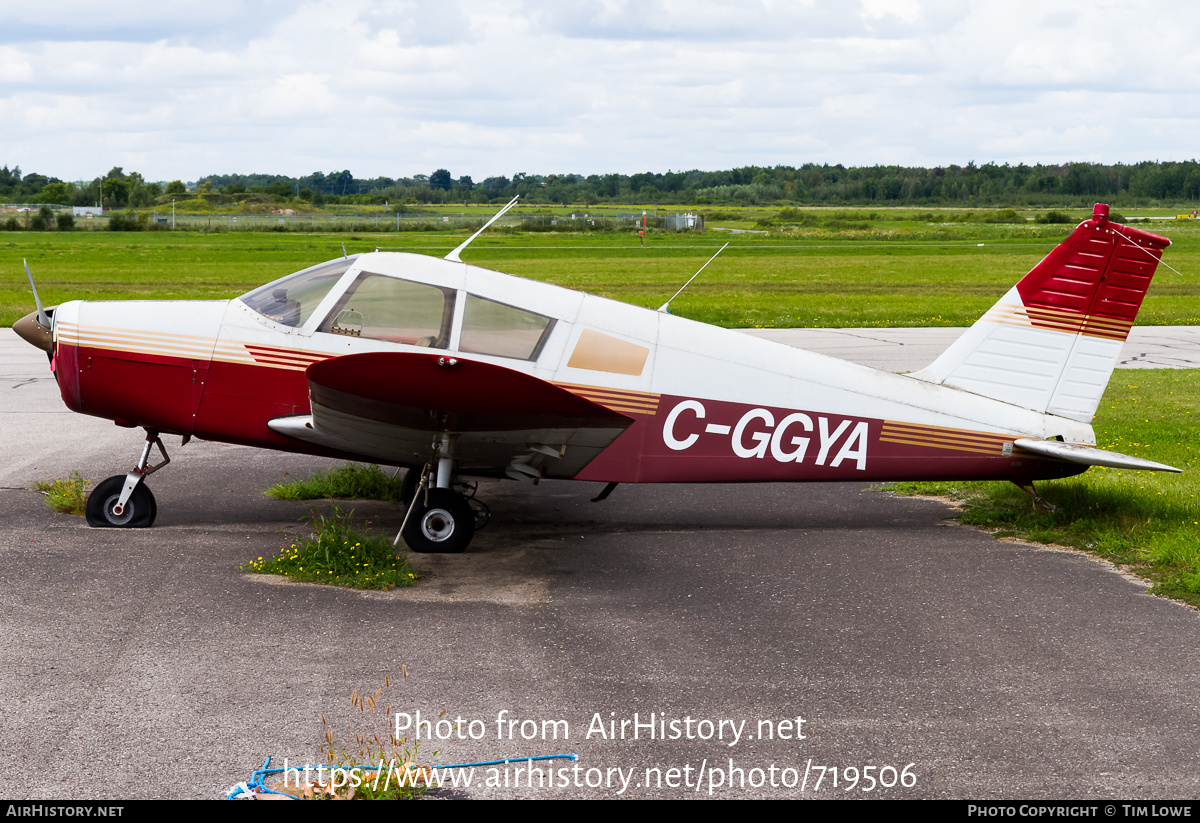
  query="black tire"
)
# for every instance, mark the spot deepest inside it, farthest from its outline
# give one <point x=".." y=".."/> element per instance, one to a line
<point x="139" y="512"/>
<point x="443" y="526"/>
<point x="483" y="514"/>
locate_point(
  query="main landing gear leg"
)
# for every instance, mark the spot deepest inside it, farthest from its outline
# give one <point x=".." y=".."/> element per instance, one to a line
<point x="125" y="501"/>
<point x="1027" y="487"/>
<point x="439" y="519"/>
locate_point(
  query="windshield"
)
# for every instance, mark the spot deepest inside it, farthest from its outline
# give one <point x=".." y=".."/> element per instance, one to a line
<point x="290" y="300"/>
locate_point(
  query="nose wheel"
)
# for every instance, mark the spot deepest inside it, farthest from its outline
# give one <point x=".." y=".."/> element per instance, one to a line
<point x="138" y="512"/>
<point x="124" y="501"/>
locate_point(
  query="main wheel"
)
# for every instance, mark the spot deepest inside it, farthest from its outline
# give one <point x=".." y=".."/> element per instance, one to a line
<point x="139" y="512"/>
<point x="444" y="525"/>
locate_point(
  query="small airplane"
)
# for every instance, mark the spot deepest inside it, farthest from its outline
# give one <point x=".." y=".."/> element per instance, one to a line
<point x="463" y="374"/>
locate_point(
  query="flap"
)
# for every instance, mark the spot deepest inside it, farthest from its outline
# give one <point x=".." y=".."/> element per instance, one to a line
<point x="437" y="392"/>
<point x="386" y="405"/>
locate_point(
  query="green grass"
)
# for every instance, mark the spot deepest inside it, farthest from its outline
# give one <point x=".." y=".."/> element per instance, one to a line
<point x="900" y="272"/>
<point x="67" y="495"/>
<point x="336" y="553"/>
<point x="353" y="481"/>
<point x="1148" y="522"/>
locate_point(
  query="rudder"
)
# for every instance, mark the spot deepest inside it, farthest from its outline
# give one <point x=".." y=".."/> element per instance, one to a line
<point x="1051" y="343"/>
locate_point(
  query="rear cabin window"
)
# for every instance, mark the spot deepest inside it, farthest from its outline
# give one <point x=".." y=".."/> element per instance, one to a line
<point x="505" y="331"/>
<point x="395" y="310"/>
<point x="292" y="299"/>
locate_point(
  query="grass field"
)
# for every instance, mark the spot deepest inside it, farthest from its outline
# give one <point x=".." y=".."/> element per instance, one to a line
<point x="901" y="274"/>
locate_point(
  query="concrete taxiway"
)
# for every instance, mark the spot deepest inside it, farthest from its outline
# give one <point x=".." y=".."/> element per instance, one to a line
<point x="142" y="663"/>
<point x="905" y="350"/>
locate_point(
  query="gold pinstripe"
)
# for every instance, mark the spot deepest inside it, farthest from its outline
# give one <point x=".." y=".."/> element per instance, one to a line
<point x="186" y="346"/>
<point x="1010" y="314"/>
<point x="941" y="437"/>
<point x="622" y="400"/>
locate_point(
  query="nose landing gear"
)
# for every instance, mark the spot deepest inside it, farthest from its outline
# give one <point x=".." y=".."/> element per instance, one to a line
<point x="105" y="509"/>
<point x="125" y="501"/>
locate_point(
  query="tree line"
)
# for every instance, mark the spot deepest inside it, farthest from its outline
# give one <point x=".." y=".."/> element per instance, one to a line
<point x="812" y="184"/>
<point x="114" y="190"/>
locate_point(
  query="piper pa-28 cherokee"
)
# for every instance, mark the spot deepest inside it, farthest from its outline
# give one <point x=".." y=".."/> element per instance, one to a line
<point x="464" y="374"/>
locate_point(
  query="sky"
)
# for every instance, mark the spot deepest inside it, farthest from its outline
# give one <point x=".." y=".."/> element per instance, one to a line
<point x="396" y="88"/>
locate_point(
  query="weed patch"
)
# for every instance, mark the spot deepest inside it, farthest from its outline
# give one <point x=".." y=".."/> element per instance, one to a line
<point x="368" y="762"/>
<point x="68" y="495"/>
<point x="354" y="481"/>
<point x="336" y="553"/>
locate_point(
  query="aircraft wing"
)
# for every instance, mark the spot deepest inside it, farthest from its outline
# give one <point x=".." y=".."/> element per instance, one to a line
<point x="394" y="406"/>
<point x="1089" y="455"/>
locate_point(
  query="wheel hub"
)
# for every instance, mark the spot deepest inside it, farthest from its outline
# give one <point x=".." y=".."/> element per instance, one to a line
<point x="437" y="525"/>
<point x="110" y="511"/>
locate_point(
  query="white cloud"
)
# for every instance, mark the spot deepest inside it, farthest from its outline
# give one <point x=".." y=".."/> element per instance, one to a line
<point x="484" y="88"/>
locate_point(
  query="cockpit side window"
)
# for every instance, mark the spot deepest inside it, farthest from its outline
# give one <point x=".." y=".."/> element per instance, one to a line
<point x="290" y="300"/>
<point x="505" y="331"/>
<point x="395" y="310"/>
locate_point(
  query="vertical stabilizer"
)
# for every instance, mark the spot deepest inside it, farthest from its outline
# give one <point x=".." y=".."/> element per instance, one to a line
<point x="1052" y="342"/>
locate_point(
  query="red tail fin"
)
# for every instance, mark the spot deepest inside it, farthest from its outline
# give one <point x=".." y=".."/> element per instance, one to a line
<point x="1094" y="282"/>
<point x="1052" y="342"/>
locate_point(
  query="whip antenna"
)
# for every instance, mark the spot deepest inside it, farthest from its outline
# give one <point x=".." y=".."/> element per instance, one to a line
<point x="453" y="256"/>
<point x="1139" y="247"/>
<point x="665" y="306"/>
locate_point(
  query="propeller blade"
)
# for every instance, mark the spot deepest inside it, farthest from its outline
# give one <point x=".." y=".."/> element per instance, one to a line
<point x="42" y="319"/>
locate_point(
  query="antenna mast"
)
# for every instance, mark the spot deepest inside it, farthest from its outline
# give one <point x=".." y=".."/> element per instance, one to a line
<point x="453" y="256"/>
<point x="665" y="306"/>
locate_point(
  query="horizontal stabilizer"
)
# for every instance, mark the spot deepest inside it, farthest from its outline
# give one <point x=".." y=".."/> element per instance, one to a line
<point x="1089" y="455"/>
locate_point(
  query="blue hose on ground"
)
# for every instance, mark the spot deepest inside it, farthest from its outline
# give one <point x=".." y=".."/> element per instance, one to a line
<point x="256" y="785"/>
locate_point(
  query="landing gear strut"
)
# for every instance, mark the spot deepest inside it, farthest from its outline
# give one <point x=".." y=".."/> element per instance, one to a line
<point x="125" y="501"/>
<point x="1027" y="487"/>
